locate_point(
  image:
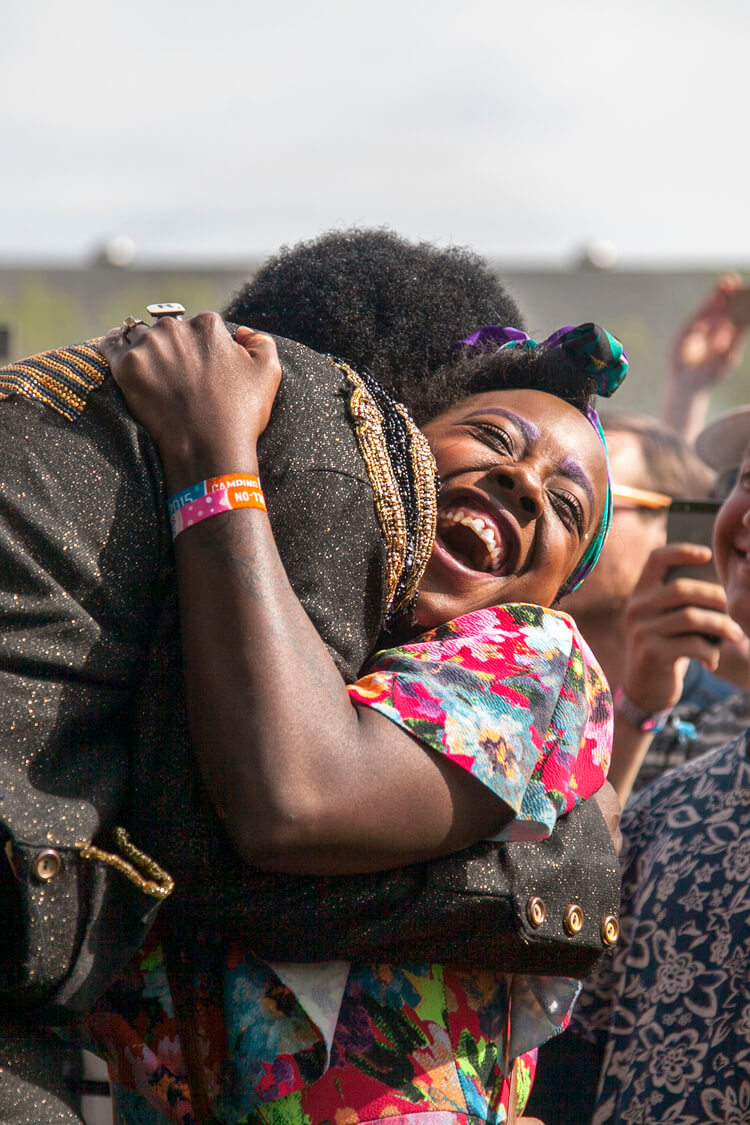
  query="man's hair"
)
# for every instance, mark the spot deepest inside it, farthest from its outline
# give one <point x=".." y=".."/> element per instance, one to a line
<point x="377" y="300"/>
<point x="672" y="465"/>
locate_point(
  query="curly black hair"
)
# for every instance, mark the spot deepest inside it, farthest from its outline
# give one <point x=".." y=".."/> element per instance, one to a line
<point x="376" y="300"/>
<point x="472" y="371"/>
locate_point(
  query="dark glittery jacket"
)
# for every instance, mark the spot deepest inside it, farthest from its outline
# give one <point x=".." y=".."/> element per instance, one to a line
<point x="93" y="725"/>
<point x="92" y="720"/>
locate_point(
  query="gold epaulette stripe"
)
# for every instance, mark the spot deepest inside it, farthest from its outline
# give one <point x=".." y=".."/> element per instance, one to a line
<point x="61" y="379"/>
<point x="28" y="382"/>
<point x="88" y="374"/>
<point x="29" y="391"/>
<point x="49" y="370"/>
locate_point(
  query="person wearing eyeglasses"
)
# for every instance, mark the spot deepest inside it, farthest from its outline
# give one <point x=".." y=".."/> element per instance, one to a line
<point x="651" y="636"/>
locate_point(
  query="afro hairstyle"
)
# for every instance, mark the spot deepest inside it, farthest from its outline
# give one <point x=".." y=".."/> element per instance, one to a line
<point x="377" y="300"/>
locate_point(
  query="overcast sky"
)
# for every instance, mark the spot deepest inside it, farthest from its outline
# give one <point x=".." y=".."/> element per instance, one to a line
<point x="218" y="130"/>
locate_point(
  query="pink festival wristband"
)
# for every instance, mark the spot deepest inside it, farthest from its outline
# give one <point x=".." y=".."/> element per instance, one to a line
<point x="212" y="497"/>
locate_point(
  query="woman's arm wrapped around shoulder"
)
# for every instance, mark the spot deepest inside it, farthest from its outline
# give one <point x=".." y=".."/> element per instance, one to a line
<point x="305" y="780"/>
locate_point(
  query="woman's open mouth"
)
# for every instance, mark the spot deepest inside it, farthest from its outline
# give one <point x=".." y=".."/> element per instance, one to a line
<point x="475" y="539"/>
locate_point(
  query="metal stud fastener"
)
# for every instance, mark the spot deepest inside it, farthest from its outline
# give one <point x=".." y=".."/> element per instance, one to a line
<point x="573" y="920"/>
<point x="536" y="911"/>
<point x="610" y="929"/>
<point x="46" y="865"/>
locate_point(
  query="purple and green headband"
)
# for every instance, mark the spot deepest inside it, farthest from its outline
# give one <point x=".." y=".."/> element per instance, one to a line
<point x="596" y="353"/>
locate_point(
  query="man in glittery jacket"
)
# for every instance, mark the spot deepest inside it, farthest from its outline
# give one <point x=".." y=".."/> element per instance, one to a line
<point x="89" y="649"/>
<point x="94" y="733"/>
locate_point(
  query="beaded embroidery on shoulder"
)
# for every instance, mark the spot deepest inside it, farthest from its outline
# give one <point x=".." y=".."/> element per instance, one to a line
<point x="61" y="379"/>
<point x="404" y="481"/>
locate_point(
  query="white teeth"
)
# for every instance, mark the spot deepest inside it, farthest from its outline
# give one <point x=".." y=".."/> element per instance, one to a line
<point x="483" y="530"/>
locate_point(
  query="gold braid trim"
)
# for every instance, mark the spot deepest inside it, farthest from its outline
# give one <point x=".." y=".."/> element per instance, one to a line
<point x="15" y="384"/>
<point x="60" y="379"/>
<point x="389" y="503"/>
<point x="425" y="478"/>
<point x="368" y="423"/>
<point x="25" y="381"/>
<point x="159" y="885"/>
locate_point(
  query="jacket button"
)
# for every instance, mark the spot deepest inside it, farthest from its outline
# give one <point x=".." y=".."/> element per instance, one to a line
<point x="610" y="929"/>
<point x="46" y="865"/>
<point x="573" y="920"/>
<point x="536" y="911"/>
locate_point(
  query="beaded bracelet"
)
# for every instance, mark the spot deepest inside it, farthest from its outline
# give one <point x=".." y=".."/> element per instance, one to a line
<point x="212" y="497"/>
<point x="647" y="722"/>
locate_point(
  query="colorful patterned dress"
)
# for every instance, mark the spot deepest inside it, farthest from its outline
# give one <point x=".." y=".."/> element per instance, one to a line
<point x="513" y="695"/>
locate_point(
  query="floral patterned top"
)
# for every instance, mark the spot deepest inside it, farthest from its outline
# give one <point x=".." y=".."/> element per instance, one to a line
<point x="511" y="694"/>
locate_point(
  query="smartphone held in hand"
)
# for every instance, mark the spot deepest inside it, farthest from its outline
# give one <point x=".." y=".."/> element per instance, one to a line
<point x="692" y="521"/>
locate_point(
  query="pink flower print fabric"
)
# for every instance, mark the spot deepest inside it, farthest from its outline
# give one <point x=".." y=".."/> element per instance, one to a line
<point x="514" y="695"/>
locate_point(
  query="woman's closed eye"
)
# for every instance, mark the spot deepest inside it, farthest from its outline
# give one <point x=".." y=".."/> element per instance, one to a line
<point x="492" y="436"/>
<point x="569" y="509"/>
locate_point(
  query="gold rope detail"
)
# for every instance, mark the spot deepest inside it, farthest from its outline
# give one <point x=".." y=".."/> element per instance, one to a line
<point x="425" y="477"/>
<point x="159" y="885"/>
<point x="368" y="423"/>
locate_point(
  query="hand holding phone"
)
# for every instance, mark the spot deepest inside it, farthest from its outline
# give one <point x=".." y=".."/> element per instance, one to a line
<point x="670" y="622"/>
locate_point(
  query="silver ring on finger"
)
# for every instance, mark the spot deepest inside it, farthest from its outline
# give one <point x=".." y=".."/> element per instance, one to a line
<point x="166" y="308"/>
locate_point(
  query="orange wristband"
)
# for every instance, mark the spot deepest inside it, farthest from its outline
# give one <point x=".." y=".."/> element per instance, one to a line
<point x="212" y="497"/>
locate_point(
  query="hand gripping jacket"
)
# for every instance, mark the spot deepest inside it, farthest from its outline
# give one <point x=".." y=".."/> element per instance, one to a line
<point x="99" y="797"/>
